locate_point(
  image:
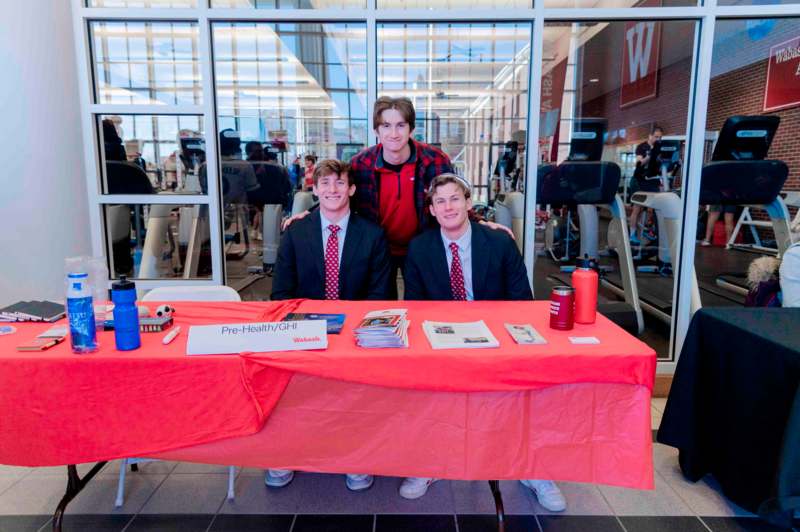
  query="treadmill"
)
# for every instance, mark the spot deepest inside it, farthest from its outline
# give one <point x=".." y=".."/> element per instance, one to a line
<point x="740" y="174"/>
<point x="736" y="175"/>
<point x="586" y="182"/>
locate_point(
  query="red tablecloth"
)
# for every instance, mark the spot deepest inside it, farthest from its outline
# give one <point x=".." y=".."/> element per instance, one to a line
<point x="62" y="408"/>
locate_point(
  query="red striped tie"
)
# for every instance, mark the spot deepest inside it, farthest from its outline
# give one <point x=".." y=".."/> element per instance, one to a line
<point x="457" y="275"/>
<point x="332" y="264"/>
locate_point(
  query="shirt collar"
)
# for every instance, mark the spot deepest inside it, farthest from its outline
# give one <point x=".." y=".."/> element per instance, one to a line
<point x="379" y="164"/>
<point x="463" y="241"/>
<point x="341" y="223"/>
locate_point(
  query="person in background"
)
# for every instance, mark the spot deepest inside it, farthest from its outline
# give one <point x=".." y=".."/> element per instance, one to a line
<point x="294" y="173"/>
<point x="112" y="143"/>
<point x="331" y="254"/>
<point x="713" y="215"/>
<point x="465" y="261"/>
<point x="238" y="176"/>
<point x="308" y="179"/>
<point x="643" y="183"/>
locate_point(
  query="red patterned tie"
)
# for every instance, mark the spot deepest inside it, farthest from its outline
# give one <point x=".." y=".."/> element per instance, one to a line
<point x="332" y="264"/>
<point x="457" y="275"/>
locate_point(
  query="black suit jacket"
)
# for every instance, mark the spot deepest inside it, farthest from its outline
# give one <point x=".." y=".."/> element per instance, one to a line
<point x="300" y="269"/>
<point x="498" y="272"/>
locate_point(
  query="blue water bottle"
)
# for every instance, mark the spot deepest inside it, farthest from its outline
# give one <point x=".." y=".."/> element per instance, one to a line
<point x="126" y="316"/>
<point x="80" y="313"/>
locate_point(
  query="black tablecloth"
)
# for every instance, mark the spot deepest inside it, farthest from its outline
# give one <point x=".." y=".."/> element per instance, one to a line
<point x="734" y="407"/>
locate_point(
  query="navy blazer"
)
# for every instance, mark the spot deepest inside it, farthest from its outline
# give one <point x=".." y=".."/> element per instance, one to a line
<point x="498" y="271"/>
<point x="363" y="270"/>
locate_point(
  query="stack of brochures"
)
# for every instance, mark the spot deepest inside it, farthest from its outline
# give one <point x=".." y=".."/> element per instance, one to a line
<point x="383" y="328"/>
<point x="473" y="334"/>
<point x="33" y="311"/>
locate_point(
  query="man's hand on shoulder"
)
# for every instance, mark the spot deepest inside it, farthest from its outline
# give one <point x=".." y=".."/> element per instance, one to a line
<point x="493" y="225"/>
<point x="287" y="222"/>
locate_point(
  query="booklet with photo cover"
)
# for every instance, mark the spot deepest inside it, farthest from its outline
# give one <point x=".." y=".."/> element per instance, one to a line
<point x="383" y="328"/>
<point x="471" y="335"/>
<point x="335" y="321"/>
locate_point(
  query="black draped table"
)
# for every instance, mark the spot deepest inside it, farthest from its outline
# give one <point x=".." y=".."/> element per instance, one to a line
<point x="734" y="407"/>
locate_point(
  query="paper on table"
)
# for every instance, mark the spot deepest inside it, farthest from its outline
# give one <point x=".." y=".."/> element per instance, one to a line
<point x="472" y="335"/>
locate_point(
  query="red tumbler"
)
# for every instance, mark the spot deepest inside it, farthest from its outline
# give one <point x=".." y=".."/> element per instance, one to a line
<point x="562" y="308"/>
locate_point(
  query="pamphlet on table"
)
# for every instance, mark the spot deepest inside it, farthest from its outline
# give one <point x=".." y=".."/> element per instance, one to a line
<point x="383" y="328"/>
<point x="474" y="335"/>
<point x="525" y="333"/>
<point x="335" y="321"/>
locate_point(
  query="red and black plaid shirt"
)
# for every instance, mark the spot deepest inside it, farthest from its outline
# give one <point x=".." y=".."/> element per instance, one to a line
<point x="430" y="162"/>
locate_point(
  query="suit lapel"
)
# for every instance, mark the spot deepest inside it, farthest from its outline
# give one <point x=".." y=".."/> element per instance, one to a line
<point x="352" y="239"/>
<point x="315" y="243"/>
<point x="480" y="261"/>
<point x="439" y="262"/>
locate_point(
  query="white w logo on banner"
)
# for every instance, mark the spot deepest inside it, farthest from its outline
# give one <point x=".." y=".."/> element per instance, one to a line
<point x="639" y="51"/>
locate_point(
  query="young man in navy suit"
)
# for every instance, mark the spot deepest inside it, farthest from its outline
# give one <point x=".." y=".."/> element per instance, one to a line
<point x="463" y="260"/>
<point x="331" y="254"/>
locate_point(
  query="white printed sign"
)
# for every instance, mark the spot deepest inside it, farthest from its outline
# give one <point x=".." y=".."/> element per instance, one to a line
<point x="231" y="339"/>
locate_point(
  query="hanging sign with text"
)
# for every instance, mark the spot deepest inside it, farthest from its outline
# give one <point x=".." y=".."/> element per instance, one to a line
<point x="640" y="59"/>
<point x="783" y="76"/>
<point x="235" y="338"/>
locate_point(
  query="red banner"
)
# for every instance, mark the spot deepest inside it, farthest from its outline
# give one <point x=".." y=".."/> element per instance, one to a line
<point x="640" y="56"/>
<point x="783" y="76"/>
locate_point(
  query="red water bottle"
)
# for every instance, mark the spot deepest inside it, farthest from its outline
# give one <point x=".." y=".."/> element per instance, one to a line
<point x="562" y="301"/>
<point x="584" y="280"/>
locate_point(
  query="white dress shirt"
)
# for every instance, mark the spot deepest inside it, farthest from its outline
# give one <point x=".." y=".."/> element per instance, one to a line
<point x="327" y="232"/>
<point x="464" y="254"/>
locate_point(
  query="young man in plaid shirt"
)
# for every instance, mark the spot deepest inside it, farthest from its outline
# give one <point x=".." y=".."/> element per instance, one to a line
<point x="392" y="178"/>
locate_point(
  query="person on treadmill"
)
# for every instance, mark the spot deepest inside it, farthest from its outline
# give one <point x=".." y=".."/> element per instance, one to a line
<point x="644" y="184"/>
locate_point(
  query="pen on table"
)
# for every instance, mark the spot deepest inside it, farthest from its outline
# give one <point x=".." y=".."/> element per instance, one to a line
<point x="170" y="336"/>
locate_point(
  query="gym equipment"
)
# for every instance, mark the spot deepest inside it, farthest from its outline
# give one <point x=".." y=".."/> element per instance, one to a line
<point x="739" y="174"/>
<point x="584" y="180"/>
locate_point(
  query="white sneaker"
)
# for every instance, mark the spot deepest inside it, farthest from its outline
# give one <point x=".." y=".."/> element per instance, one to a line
<point x="548" y="494"/>
<point x="278" y="478"/>
<point x="359" y="482"/>
<point x="705" y="243"/>
<point x="415" y="487"/>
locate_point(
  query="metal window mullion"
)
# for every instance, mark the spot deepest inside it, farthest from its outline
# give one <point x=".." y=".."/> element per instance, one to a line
<point x="212" y="161"/>
<point x="372" y="70"/>
<point x="691" y="189"/>
<point x="125" y="109"/>
<point x="535" y="62"/>
<point x="154" y="199"/>
<point x="91" y="154"/>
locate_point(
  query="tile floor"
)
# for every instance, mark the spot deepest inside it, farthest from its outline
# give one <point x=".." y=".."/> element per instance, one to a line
<point x="166" y="496"/>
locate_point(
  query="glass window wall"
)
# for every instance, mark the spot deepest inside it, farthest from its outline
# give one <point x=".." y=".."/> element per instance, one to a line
<point x="148" y="154"/>
<point x="613" y="127"/>
<point x="288" y="94"/>
<point x="158" y="241"/>
<point x="469" y="86"/>
<point x="750" y="188"/>
<point x="146" y="63"/>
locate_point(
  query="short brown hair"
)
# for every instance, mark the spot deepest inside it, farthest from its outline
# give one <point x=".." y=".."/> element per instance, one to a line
<point x="444" y="179"/>
<point x="402" y="105"/>
<point x="333" y="166"/>
<point x="312" y="158"/>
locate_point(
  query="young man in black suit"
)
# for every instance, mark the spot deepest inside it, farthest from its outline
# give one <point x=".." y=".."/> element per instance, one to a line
<point x="465" y="261"/>
<point x="331" y="254"/>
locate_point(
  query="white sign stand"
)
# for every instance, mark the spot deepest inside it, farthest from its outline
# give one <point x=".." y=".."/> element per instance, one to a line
<point x="232" y="339"/>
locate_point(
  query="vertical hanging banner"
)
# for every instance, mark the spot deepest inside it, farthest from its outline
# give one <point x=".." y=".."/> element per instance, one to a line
<point x="640" y="59"/>
<point x="783" y="76"/>
<point x="550" y="108"/>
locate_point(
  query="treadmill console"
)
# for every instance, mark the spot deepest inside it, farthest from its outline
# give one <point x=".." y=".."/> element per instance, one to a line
<point x="587" y="139"/>
<point x="745" y="138"/>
